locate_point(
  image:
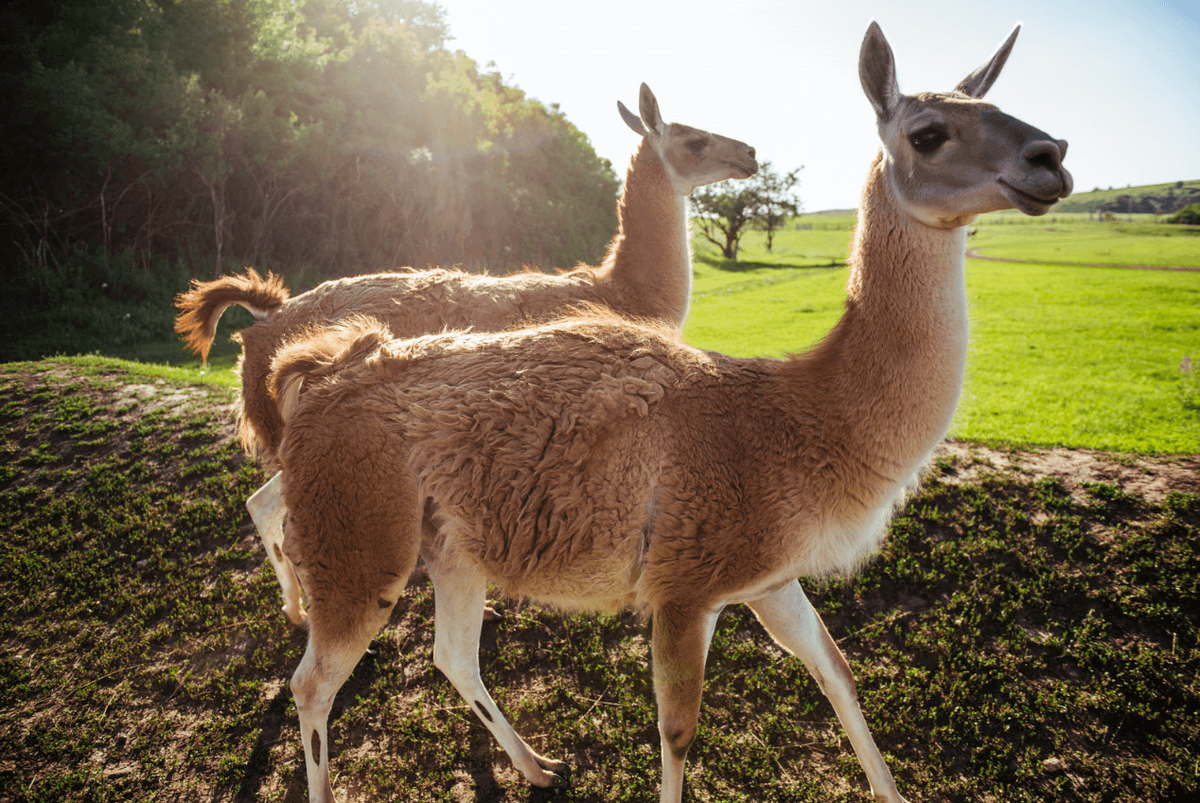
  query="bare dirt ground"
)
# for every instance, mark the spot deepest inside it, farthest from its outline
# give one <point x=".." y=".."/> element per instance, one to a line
<point x="1152" y="477"/>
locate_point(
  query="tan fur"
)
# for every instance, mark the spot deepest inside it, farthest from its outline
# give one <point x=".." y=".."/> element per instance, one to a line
<point x="647" y="273"/>
<point x="598" y="462"/>
<point x="201" y="306"/>
<point x="321" y="352"/>
<point x="411" y="304"/>
<point x="551" y="451"/>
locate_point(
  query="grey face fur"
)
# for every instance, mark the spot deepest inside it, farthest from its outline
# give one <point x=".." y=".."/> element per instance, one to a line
<point x="950" y="156"/>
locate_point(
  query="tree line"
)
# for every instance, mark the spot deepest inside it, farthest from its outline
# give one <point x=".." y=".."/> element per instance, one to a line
<point x="146" y="142"/>
<point x="342" y="136"/>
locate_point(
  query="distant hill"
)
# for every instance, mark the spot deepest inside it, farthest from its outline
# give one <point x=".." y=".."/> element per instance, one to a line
<point x="833" y="212"/>
<point x="1150" y="199"/>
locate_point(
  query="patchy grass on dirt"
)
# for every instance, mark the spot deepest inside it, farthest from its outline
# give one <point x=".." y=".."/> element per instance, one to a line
<point x="1029" y="633"/>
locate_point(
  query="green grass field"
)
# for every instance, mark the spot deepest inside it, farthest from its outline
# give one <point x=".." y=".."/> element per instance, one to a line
<point x="1075" y="240"/>
<point x="1066" y="355"/>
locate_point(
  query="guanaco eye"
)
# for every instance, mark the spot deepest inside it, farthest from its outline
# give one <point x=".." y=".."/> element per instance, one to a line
<point x="696" y="146"/>
<point x="928" y="140"/>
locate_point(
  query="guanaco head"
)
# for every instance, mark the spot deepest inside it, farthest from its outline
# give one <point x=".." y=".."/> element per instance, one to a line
<point x="693" y="158"/>
<point x="950" y="156"/>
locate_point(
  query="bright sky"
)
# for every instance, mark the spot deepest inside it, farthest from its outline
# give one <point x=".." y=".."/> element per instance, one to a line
<point x="1116" y="79"/>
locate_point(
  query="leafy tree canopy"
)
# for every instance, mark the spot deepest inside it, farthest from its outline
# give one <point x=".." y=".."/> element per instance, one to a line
<point x="1189" y="214"/>
<point x="339" y="135"/>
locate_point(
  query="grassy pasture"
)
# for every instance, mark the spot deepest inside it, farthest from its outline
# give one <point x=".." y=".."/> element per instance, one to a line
<point x="1066" y="355"/>
<point x="1081" y="356"/>
<point x="1073" y="239"/>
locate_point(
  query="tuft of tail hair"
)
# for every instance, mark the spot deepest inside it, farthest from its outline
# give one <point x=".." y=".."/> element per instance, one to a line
<point x="201" y="307"/>
<point x="322" y="352"/>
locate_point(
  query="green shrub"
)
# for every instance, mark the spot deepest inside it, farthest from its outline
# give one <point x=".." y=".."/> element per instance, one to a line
<point x="89" y="302"/>
<point x="1190" y="214"/>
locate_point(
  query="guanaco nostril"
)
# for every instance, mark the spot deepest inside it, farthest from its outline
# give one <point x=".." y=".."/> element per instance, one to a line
<point x="1044" y="153"/>
<point x="751" y="153"/>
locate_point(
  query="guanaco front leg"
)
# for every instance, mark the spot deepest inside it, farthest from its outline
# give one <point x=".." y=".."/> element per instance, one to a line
<point x="341" y="627"/>
<point x="793" y="622"/>
<point x="324" y="668"/>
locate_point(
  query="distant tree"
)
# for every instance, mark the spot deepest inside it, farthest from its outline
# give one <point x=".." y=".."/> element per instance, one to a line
<point x="725" y="210"/>
<point x="777" y="199"/>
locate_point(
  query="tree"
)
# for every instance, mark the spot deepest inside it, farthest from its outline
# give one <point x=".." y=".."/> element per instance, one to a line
<point x="339" y="135"/>
<point x="777" y="199"/>
<point x="144" y="141"/>
<point x="1190" y="214"/>
<point x="724" y="210"/>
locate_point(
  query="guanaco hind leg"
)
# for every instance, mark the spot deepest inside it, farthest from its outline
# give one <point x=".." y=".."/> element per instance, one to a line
<point x="339" y="632"/>
<point x="793" y="622"/>
<point x="323" y="669"/>
<point x="459" y="600"/>
<point x="268" y="512"/>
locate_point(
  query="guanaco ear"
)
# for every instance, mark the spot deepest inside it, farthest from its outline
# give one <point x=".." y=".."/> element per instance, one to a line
<point x="979" y="82"/>
<point x="648" y="106"/>
<point x="631" y="120"/>
<point x="877" y="72"/>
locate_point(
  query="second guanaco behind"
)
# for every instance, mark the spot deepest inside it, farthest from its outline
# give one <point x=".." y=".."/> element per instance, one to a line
<point x="647" y="273"/>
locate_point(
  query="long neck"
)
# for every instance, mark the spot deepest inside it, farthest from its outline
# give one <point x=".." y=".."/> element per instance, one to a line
<point x="892" y="369"/>
<point x="650" y="259"/>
